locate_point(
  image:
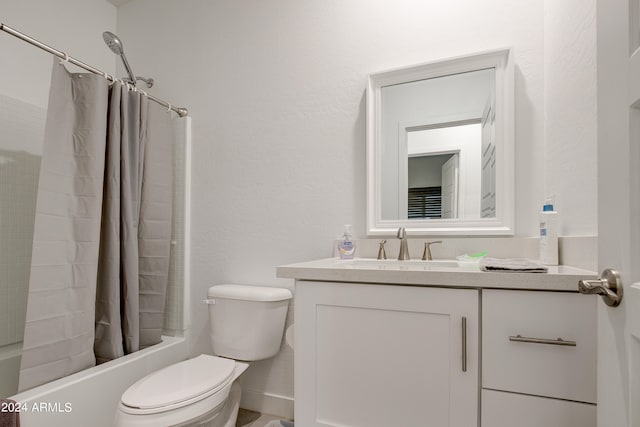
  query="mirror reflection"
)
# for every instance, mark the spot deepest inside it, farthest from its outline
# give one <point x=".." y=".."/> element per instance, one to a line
<point x="438" y="155"/>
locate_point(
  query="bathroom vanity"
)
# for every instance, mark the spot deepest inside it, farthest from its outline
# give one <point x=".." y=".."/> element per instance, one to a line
<point x="382" y="343"/>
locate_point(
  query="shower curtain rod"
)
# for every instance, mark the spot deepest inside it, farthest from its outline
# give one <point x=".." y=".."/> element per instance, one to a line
<point x="182" y="112"/>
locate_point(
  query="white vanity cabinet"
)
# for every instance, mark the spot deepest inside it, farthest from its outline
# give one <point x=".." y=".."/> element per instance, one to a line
<point x="380" y="343"/>
<point x="530" y="378"/>
<point x="371" y="355"/>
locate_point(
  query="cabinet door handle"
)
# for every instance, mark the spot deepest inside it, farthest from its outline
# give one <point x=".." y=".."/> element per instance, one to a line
<point x="559" y="341"/>
<point x="464" y="344"/>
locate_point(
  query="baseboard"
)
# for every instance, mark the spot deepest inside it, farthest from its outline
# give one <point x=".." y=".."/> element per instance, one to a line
<point x="267" y="403"/>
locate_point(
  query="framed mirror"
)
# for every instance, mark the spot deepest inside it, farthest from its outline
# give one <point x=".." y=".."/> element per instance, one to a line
<point x="440" y="147"/>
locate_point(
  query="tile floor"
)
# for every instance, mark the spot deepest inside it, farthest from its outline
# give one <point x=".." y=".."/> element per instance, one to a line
<point x="248" y="418"/>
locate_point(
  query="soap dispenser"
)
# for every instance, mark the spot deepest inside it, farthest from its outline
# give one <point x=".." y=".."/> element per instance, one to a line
<point x="549" y="233"/>
<point x="346" y="245"/>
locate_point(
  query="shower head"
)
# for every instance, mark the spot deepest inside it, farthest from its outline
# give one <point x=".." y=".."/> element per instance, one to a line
<point x="115" y="44"/>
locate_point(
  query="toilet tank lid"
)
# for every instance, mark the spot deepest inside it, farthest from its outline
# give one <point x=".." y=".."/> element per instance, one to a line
<point x="249" y="293"/>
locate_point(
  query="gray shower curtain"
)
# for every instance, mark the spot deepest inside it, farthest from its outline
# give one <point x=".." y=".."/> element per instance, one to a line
<point x="102" y="230"/>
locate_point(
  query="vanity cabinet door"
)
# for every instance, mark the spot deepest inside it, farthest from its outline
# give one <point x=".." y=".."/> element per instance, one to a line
<point x="377" y="355"/>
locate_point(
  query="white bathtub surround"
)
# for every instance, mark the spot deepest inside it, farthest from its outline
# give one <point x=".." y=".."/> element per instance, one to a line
<point x="22" y="127"/>
<point x="10" y="368"/>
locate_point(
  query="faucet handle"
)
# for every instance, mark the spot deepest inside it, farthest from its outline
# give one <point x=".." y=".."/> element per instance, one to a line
<point x="382" y="254"/>
<point x="426" y="255"/>
<point x="404" y="249"/>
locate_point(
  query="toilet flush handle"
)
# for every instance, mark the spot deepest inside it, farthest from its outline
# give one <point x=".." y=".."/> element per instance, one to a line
<point x="209" y="301"/>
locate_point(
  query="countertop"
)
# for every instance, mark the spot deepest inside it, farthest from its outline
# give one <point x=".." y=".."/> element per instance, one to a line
<point x="558" y="278"/>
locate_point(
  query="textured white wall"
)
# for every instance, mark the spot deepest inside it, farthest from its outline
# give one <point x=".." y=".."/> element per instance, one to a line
<point x="276" y="91"/>
<point x="570" y="114"/>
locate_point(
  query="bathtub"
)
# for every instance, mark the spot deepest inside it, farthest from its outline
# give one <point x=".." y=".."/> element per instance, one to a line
<point x="90" y="397"/>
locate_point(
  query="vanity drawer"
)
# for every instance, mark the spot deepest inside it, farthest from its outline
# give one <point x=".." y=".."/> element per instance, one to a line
<point x="500" y="409"/>
<point x="539" y="368"/>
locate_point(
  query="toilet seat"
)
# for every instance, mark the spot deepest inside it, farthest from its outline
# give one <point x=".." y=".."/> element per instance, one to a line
<point x="179" y="385"/>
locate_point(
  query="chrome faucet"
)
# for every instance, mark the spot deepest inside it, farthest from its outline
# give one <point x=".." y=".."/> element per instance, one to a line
<point x="404" y="250"/>
<point x="426" y="255"/>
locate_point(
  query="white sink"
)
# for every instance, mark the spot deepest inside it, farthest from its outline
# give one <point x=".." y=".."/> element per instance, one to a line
<point x="394" y="263"/>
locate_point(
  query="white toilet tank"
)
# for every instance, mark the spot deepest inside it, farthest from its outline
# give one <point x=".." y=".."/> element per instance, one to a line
<point x="247" y="322"/>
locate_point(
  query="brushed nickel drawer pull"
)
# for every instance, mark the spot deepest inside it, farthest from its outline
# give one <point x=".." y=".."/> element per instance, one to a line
<point x="559" y="341"/>
<point x="464" y="344"/>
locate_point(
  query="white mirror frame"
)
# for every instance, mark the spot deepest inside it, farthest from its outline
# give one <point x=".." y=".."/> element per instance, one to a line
<point x="503" y="223"/>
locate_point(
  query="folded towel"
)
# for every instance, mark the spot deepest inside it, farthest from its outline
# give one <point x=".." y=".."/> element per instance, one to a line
<point x="519" y="265"/>
<point x="9" y="418"/>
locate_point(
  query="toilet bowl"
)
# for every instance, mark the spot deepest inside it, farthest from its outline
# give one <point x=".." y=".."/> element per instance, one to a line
<point x="247" y="323"/>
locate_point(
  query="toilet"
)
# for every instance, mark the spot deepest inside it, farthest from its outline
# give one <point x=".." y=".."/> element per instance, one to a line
<point x="247" y="324"/>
